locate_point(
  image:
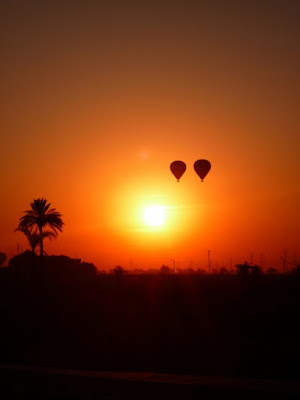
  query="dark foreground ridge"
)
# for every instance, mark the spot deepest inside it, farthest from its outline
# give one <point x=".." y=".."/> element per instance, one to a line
<point x="232" y="327"/>
<point x="53" y="382"/>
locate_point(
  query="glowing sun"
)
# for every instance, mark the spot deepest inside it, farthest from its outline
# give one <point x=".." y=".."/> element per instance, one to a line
<point x="154" y="215"/>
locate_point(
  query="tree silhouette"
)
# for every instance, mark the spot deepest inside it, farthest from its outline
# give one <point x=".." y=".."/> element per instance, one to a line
<point x="40" y="216"/>
<point x="165" y="270"/>
<point x="34" y="238"/>
<point x="119" y="271"/>
<point x="243" y="269"/>
<point x="256" y="271"/>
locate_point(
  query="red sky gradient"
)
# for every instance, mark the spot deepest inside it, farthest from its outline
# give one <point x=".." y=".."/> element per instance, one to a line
<point x="99" y="97"/>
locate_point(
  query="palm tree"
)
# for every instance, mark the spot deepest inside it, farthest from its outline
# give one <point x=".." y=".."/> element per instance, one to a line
<point x="40" y="216"/>
<point x="33" y="237"/>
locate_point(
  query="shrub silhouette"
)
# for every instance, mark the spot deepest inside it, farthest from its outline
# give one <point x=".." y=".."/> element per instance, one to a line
<point x="27" y="266"/>
<point x="24" y="265"/>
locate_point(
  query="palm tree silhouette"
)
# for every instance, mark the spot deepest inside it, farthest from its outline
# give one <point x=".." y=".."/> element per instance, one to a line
<point x="34" y="238"/>
<point x="40" y="216"/>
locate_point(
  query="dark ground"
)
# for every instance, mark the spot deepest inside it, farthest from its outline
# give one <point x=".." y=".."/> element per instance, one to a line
<point x="218" y="326"/>
<point x="50" y="383"/>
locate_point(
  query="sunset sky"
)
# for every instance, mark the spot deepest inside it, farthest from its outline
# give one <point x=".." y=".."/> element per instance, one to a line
<point x="99" y="97"/>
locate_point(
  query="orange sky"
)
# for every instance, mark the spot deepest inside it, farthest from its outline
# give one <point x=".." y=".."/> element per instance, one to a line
<point x="98" y="98"/>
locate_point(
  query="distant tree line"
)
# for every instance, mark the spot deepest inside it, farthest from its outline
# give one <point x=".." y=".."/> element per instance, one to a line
<point x="28" y="265"/>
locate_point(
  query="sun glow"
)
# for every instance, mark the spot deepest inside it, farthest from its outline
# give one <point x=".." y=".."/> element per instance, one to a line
<point x="149" y="215"/>
<point x="154" y="215"/>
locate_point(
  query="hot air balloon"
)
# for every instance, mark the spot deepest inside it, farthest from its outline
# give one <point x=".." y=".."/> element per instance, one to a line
<point x="178" y="169"/>
<point x="202" y="168"/>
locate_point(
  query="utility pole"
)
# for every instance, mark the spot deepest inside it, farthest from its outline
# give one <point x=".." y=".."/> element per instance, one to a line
<point x="295" y="260"/>
<point x="174" y="266"/>
<point x="208" y="261"/>
<point x="262" y="260"/>
<point x="284" y="258"/>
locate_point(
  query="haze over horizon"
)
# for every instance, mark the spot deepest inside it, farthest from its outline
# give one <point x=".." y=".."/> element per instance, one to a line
<point x="98" y="98"/>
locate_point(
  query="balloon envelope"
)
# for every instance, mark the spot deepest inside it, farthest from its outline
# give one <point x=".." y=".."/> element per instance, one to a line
<point x="202" y="168"/>
<point x="178" y="169"/>
<point x="2" y="258"/>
